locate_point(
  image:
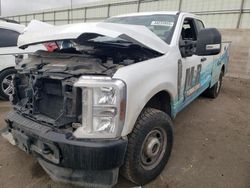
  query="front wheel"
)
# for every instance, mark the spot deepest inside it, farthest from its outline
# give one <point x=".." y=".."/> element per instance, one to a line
<point x="6" y="86"/>
<point x="149" y="147"/>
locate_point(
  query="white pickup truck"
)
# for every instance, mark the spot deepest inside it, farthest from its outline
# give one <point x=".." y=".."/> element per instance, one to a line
<point x="104" y="100"/>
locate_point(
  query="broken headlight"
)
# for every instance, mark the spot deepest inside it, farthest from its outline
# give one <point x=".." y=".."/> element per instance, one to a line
<point x="103" y="107"/>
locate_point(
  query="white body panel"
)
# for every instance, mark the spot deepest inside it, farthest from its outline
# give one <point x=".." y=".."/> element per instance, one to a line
<point x="144" y="80"/>
<point x="12" y="26"/>
<point x="7" y="61"/>
<point x="139" y="34"/>
<point x="16" y="50"/>
<point x="7" y="54"/>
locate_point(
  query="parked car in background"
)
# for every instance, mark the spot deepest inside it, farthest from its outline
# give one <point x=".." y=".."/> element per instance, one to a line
<point x="10" y="54"/>
<point x="9" y="32"/>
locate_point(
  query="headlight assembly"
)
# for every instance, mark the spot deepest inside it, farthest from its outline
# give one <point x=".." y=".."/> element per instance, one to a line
<point x="103" y="107"/>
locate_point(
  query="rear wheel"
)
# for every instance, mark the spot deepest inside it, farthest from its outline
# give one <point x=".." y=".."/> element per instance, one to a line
<point x="6" y="86"/>
<point x="149" y="147"/>
<point x="214" y="91"/>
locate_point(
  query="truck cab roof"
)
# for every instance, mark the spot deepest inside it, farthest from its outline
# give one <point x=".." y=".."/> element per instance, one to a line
<point x="148" y="13"/>
<point x="156" y="12"/>
<point x="187" y="14"/>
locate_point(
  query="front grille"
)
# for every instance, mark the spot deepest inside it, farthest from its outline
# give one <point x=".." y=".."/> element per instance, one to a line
<point x="51" y="99"/>
<point x="54" y="101"/>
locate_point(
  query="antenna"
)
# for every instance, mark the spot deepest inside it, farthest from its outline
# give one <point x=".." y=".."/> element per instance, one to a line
<point x="0" y="7"/>
<point x="71" y="10"/>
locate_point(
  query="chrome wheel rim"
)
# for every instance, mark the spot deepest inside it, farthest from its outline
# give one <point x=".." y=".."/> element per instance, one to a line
<point x="7" y="85"/>
<point x="153" y="148"/>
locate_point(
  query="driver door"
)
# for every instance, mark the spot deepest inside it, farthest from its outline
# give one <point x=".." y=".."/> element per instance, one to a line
<point x="194" y="69"/>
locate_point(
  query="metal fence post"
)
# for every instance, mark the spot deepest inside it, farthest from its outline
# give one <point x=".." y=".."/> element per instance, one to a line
<point x="85" y="14"/>
<point x="68" y="16"/>
<point x="43" y="16"/>
<point x="108" y="11"/>
<point x="54" y="12"/>
<point x="26" y="23"/>
<point x="138" y="5"/>
<point x="240" y="13"/>
<point x="71" y="11"/>
<point x="180" y="4"/>
<point x="0" y="8"/>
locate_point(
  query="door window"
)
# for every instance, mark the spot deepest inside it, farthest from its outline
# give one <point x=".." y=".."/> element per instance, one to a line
<point x="188" y="31"/>
<point x="199" y="25"/>
<point x="188" y="38"/>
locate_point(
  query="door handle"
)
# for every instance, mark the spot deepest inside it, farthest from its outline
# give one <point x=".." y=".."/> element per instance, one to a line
<point x="203" y="59"/>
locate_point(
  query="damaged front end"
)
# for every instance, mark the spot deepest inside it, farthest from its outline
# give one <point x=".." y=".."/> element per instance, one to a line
<point x="44" y="87"/>
<point x="45" y="82"/>
<point x="69" y="111"/>
<point x="48" y="111"/>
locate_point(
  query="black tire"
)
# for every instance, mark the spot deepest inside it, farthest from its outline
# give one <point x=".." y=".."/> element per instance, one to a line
<point x="150" y="121"/>
<point x="5" y="74"/>
<point x="214" y="91"/>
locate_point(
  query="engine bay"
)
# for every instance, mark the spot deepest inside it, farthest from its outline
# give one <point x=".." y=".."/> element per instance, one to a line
<point x="44" y="90"/>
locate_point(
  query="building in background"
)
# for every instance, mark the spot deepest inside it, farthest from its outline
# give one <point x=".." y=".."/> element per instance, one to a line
<point x="217" y="13"/>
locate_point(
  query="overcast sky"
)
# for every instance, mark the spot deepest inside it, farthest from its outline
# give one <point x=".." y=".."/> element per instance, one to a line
<point x="14" y="7"/>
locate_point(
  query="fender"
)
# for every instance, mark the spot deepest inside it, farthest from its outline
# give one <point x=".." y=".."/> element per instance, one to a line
<point x="7" y="61"/>
<point x="220" y="60"/>
<point x="147" y="82"/>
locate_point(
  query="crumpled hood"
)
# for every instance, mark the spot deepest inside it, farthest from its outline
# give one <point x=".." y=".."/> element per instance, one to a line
<point x="40" y="32"/>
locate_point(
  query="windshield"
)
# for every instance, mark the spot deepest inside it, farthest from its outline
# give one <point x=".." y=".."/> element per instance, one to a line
<point x="160" y="24"/>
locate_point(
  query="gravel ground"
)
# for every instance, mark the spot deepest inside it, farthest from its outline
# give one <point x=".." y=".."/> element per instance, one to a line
<point x="211" y="148"/>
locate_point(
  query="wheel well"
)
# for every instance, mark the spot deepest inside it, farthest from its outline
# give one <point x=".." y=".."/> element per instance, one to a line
<point x="7" y="69"/>
<point x="161" y="101"/>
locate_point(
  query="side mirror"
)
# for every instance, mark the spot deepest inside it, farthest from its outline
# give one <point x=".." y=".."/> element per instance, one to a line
<point x="208" y="42"/>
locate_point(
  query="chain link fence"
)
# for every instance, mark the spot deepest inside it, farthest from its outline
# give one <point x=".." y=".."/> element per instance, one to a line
<point x="223" y="14"/>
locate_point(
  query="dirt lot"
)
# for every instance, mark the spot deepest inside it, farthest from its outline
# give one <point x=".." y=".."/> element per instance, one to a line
<point x="211" y="149"/>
